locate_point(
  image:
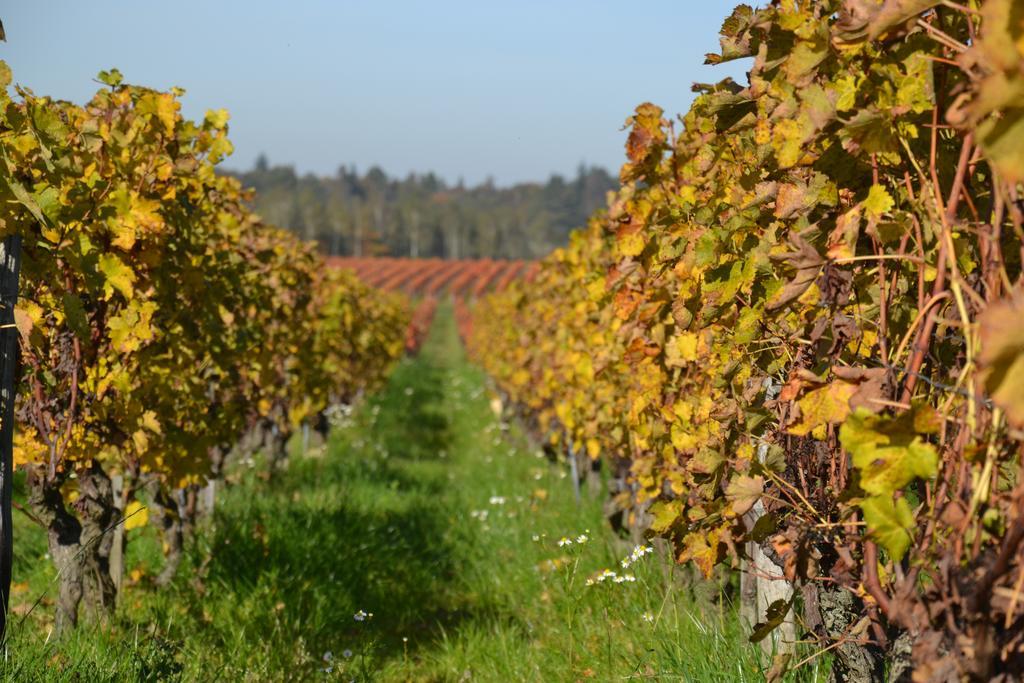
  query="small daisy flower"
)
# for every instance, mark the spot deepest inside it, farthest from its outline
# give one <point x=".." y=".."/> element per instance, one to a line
<point x="564" y="542"/>
<point x="638" y="552"/>
<point x="362" y="615"/>
<point x="648" y="617"/>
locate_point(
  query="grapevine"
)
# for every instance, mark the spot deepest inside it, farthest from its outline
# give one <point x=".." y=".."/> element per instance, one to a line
<point x="160" y="319"/>
<point x="794" y="332"/>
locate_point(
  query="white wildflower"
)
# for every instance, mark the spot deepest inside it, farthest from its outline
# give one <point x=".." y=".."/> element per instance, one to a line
<point x="648" y="617"/>
<point x="564" y="542"/>
<point x="638" y="552"/>
<point x="362" y="615"/>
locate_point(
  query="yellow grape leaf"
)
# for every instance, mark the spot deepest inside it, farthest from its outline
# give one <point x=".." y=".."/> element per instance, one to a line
<point x="632" y="244"/>
<point x="681" y="349"/>
<point x="162" y="105"/>
<point x="704" y="551"/>
<point x="829" y="404"/>
<point x="217" y="118"/>
<point x="683" y="439"/>
<point x="665" y="514"/>
<point x="27" y="448"/>
<point x="141" y="441"/>
<point x="150" y="422"/>
<point x="27" y="315"/>
<point x="136" y="516"/>
<point x="119" y="276"/>
<point x="878" y="202"/>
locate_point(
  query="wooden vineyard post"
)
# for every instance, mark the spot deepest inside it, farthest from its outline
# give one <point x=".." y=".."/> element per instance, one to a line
<point x="766" y="583"/>
<point x="574" y="469"/>
<point x="119" y="486"/>
<point x="10" y="266"/>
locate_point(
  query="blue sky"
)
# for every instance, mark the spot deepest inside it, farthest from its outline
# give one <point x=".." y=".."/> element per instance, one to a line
<point x="467" y="88"/>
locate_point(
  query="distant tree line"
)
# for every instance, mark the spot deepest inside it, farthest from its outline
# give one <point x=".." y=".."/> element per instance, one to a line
<point x="372" y="214"/>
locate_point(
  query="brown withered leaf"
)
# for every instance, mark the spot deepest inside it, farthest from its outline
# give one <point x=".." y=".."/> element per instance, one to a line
<point x="861" y="20"/>
<point x="870" y="383"/>
<point x="807" y="262"/>
<point x="842" y="241"/>
<point x="799" y="379"/>
<point x="1002" y="355"/>
<point x="744" y="491"/>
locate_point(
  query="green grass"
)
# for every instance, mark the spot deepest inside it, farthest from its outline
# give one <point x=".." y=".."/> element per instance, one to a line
<point x="389" y="518"/>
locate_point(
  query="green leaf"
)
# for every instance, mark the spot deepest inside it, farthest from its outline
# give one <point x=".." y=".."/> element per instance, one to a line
<point x="774" y="615"/>
<point x="112" y="78"/>
<point x="48" y="201"/>
<point x="889" y="452"/>
<point x="764" y="526"/>
<point x="48" y="123"/>
<point x="75" y="316"/>
<point x="890" y="523"/>
<point x="25" y="198"/>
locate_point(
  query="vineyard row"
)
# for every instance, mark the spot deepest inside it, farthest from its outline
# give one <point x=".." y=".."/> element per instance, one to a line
<point x="165" y="330"/>
<point x="794" y="337"/>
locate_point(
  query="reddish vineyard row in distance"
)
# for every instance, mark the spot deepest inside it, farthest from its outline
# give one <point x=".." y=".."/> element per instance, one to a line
<point x="427" y="279"/>
<point x="432" y="277"/>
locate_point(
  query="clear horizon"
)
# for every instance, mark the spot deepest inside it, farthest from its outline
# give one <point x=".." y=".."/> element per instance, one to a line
<point x="515" y="92"/>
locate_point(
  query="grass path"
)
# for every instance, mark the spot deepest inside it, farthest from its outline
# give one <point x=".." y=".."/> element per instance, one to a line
<point x="426" y="511"/>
